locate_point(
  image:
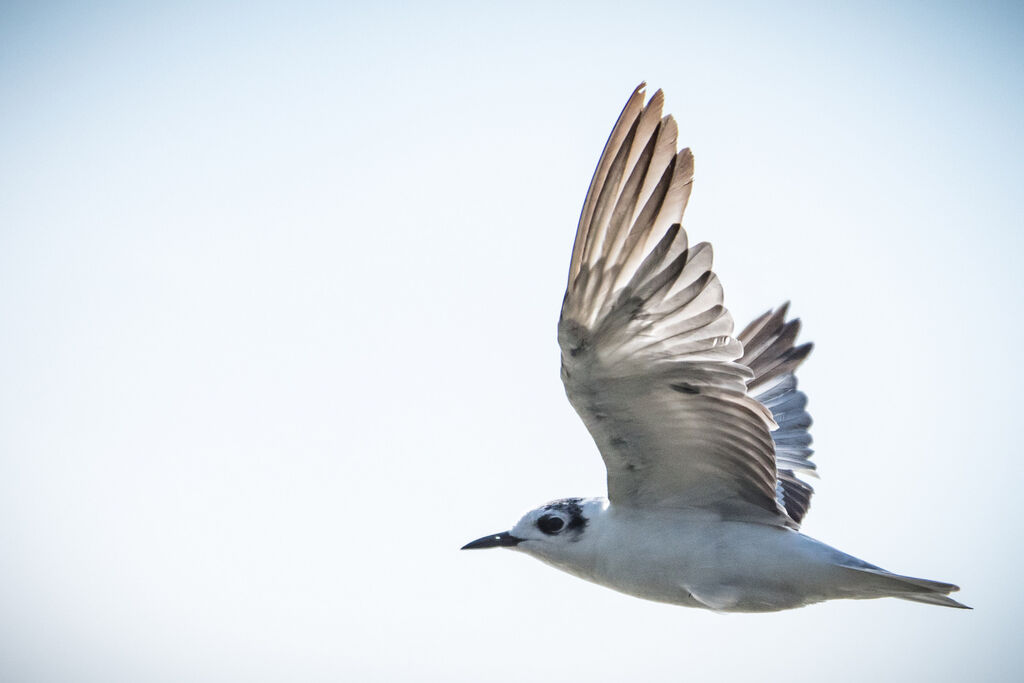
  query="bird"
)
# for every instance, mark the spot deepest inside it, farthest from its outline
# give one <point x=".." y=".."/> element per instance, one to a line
<point x="704" y="433"/>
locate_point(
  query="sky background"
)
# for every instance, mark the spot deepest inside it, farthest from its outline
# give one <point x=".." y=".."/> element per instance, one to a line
<point x="278" y="294"/>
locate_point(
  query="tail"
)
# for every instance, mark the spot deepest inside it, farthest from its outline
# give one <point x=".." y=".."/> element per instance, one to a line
<point x="878" y="583"/>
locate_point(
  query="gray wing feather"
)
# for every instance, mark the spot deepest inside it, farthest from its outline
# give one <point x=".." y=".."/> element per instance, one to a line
<point x="770" y="353"/>
<point x="648" y="352"/>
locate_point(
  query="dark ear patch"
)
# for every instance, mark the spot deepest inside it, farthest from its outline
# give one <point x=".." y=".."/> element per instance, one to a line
<point x="573" y="510"/>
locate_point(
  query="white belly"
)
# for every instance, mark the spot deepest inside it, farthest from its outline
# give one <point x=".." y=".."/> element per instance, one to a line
<point x="696" y="560"/>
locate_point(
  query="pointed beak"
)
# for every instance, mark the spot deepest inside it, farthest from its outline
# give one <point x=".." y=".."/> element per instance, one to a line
<point x="503" y="540"/>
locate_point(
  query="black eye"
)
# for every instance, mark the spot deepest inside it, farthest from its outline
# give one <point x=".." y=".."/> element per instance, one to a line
<point x="550" y="524"/>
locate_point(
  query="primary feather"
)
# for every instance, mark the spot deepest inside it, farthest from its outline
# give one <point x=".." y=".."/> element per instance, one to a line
<point x="649" y="359"/>
<point x="769" y="352"/>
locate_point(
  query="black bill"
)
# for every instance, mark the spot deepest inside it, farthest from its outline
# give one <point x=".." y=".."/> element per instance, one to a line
<point x="502" y="540"/>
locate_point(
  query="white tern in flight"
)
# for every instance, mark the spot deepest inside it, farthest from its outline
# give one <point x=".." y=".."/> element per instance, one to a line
<point x="703" y="432"/>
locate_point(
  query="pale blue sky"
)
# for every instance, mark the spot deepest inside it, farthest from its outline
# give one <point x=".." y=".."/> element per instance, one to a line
<point x="279" y="286"/>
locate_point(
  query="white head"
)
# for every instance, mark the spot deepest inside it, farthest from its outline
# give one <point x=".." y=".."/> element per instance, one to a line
<point x="557" y="532"/>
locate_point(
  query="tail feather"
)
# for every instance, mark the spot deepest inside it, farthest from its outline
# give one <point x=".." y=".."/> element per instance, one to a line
<point x="880" y="583"/>
<point x="934" y="599"/>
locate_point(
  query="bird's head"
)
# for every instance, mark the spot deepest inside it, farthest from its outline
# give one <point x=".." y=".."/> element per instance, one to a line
<point x="552" y="530"/>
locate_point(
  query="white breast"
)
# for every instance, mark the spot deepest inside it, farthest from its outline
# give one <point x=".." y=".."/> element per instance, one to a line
<point x="692" y="558"/>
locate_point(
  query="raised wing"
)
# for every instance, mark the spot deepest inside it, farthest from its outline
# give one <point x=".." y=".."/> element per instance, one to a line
<point x="648" y="356"/>
<point x="770" y="353"/>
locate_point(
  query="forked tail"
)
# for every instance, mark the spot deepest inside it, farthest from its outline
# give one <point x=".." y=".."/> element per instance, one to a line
<point x="886" y="584"/>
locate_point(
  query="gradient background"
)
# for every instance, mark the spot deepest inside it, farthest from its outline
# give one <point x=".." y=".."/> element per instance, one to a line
<point x="278" y="293"/>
